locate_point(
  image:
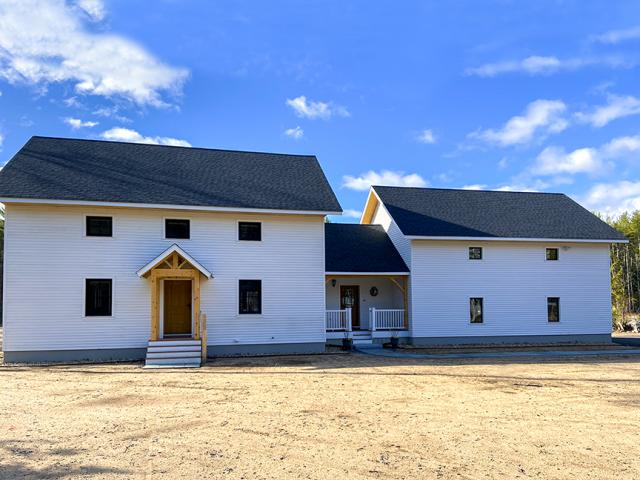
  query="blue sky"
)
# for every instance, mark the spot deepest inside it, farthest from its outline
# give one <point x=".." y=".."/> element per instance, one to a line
<point x="496" y="95"/>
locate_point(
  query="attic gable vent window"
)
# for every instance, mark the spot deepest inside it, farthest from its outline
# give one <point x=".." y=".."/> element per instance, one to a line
<point x="177" y="228"/>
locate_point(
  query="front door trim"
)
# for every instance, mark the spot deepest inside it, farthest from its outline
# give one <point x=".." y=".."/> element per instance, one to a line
<point x="163" y="300"/>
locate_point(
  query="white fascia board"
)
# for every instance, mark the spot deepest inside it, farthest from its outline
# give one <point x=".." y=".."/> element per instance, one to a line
<point x="165" y="206"/>
<point x="507" y="239"/>
<point x="174" y="248"/>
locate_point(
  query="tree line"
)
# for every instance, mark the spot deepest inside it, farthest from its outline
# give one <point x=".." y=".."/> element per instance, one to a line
<point x="625" y="271"/>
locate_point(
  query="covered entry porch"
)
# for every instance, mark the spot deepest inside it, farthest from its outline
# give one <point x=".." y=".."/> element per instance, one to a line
<point x="374" y="304"/>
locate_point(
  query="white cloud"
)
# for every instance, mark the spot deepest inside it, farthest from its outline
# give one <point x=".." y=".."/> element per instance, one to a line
<point x="556" y="161"/>
<point x="1" y="139"/>
<point x="93" y="8"/>
<point x="613" y="37"/>
<point x="426" y="136"/>
<point x="616" y="107"/>
<point x="120" y="134"/>
<point x="613" y="198"/>
<point x="475" y="186"/>
<point x="540" y="65"/>
<point x="622" y="145"/>
<point x="384" y="177"/>
<point x="309" y="109"/>
<point x="47" y="42"/>
<point x="352" y="213"/>
<point x="503" y="163"/>
<point x="296" y="133"/>
<point x="77" y="123"/>
<point x="540" y="115"/>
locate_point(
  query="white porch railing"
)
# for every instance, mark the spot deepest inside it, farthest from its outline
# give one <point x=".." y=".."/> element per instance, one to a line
<point x="339" y="320"/>
<point x="386" y="319"/>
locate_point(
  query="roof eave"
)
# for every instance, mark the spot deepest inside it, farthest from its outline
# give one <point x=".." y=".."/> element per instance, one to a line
<point x="516" y="239"/>
<point x="205" y="208"/>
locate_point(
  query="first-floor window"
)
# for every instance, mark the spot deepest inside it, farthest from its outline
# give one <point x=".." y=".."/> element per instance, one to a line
<point x="475" y="310"/>
<point x="97" y="297"/>
<point x="250" y="296"/>
<point x="553" y="309"/>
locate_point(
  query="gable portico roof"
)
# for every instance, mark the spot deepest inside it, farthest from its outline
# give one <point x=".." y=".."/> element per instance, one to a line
<point x="166" y="254"/>
<point x="433" y="213"/>
<point x="71" y="171"/>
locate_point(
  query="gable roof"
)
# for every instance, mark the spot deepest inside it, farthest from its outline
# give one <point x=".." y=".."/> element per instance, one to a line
<point x="434" y="212"/>
<point x="356" y="248"/>
<point x="131" y="173"/>
<point x="173" y="248"/>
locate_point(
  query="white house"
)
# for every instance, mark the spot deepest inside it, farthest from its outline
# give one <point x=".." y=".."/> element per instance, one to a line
<point x="121" y="251"/>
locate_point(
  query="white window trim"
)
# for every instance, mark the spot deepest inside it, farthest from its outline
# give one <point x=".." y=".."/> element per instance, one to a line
<point x="237" y="307"/>
<point x="551" y="248"/>
<point x="84" y="226"/>
<point x="84" y="296"/>
<point x="256" y="242"/>
<point x="164" y="229"/>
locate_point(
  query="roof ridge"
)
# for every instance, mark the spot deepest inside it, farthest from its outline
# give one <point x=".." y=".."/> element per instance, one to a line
<point x="71" y="139"/>
<point x="465" y="190"/>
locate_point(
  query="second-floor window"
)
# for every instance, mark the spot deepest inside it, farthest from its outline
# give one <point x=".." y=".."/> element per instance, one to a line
<point x="475" y="253"/>
<point x="552" y="254"/>
<point x="177" y="228"/>
<point x="250" y="231"/>
<point x="99" y="226"/>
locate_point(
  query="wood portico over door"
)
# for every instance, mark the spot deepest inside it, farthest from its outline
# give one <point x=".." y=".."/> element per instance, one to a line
<point x="179" y="275"/>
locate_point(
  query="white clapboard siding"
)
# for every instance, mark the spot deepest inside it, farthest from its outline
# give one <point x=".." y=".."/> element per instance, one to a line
<point x="515" y="280"/>
<point x="403" y="245"/>
<point x="47" y="258"/>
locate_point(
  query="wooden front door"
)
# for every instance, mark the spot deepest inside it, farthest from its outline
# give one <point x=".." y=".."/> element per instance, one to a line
<point x="177" y="307"/>
<point x="350" y="298"/>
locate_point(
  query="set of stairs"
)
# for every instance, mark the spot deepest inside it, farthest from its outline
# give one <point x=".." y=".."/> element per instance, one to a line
<point x="362" y="337"/>
<point x="177" y="353"/>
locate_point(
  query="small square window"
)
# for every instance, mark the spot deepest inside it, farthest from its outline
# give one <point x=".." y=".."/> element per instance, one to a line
<point x="99" y="226"/>
<point x="475" y="253"/>
<point x="552" y="254"/>
<point x="476" y="310"/>
<point x="250" y="231"/>
<point x="250" y="296"/>
<point x="176" y="228"/>
<point x="98" y="297"/>
<point x="553" y="309"/>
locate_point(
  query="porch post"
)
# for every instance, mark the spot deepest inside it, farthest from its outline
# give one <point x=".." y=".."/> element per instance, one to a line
<point x="348" y="319"/>
<point x="155" y="318"/>
<point x="196" y="304"/>
<point x="373" y="319"/>
<point x="405" y="297"/>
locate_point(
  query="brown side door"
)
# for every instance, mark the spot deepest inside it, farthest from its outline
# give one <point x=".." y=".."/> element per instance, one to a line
<point x="350" y="298"/>
<point x="177" y="307"/>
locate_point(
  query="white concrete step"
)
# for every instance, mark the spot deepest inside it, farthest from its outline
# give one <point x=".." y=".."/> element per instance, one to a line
<point x="194" y="354"/>
<point x="362" y="341"/>
<point x="172" y="348"/>
<point x="173" y="343"/>
<point x="173" y="361"/>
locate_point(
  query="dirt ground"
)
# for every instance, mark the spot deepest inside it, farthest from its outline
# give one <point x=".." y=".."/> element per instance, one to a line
<point x="324" y="417"/>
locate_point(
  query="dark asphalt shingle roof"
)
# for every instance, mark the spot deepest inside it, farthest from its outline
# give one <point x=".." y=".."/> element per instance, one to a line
<point x="436" y="212"/>
<point x="91" y="170"/>
<point x="360" y="248"/>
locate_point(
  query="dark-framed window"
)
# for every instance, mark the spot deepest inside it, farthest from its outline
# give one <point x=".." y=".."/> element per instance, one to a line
<point x="177" y="228"/>
<point x="98" y="226"/>
<point x="250" y="293"/>
<point x="552" y="254"/>
<point x="475" y="253"/>
<point x="250" y="231"/>
<point x="476" y="310"/>
<point x="98" y="297"/>
<point x="553" y="309"/>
